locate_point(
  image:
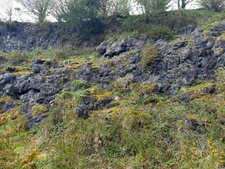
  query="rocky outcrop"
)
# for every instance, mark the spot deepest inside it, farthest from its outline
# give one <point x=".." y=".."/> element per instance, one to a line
<point x="27" y="36"/>
<point x="40" y="87"/>
<point x="193" y="57"/>
<point x="89" y="103"/>
<point x="122" y="45"/>
<point x="179" y="64"/>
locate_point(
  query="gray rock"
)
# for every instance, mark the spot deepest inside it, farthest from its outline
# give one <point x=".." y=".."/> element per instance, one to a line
<point x="121" y="46"/>
<point x="10" y="69"/>
<point x="210" y="90"/>
<point x="196" y="33"/>
<point x="220" y="27"/>
<point x="85" y="105"/>
<point x="27" y="36"/>
<point x="116" y="48"/>
<point x="8" y="105"/>
<point x="187" y="30"/>
<point x="101" y="49"/>
<point x="185" y="96"/>
<point x="39" y="61"/>
<point x="88" y="103"/>
<point x="6" y="79"/>
<point x="179" y="44"/>
<point x="36" y="68"/>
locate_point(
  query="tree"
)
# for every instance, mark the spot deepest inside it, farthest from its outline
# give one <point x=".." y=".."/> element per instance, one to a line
<point x="123" y="7"/>
<point x="154" y="6"/>
<point x="79" y="11"/>
<point x="181" y="4"/>
<point x="215" y="5"/>
<point x="59" y="8"/>
<point x="106" y="8"/>
<point x="8" y="10"/>
<point x="82" y="16"/>
<point x="38" y="8"/>
<point x="111" y="7"/>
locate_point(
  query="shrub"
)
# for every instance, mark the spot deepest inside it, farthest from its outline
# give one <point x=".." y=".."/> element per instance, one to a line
<point x="215" y="5"/>
<point x="55" y="119"/>
<point x="178" y="19"/>
<point x="155" y="7"/>
<point x="157" y="32"/>
<point x="18" y="58"/>
<point x="90" y="28"/>
<point x="38" y="109"/>
<point x="66" y="95"/>
<point x="149" y="54"/>
<point x="122" y="84"/>
<point x="62" y="53"/>
<point x="82" y="17"/>
<point x="220" y="79"/>
<point x="79" y="84"/>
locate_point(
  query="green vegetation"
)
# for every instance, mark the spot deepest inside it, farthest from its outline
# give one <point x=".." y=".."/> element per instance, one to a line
<point x="154" y="7"/>
<point x="149" y="54"/>
<point x="141" y="129"/>
<point x="215" y="5"/>
<point x="86" y="19"/>
<point x="38" y="109"/>
<point x="78" y="84"/>
<point x="162" y="27"/>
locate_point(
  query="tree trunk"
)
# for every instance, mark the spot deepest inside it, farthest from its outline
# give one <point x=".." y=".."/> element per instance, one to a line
<point x="183" y="4"/>
<point x="178" y="3"/>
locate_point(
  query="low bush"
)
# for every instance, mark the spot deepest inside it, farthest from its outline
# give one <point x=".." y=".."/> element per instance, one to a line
<point x="122" y="84"/>
<point x="179" y="19"/>
<point x="38" y="109"/>
<point x="90" y="29"/>
<point x="149" y="54"/>
<point x="62" y="53"/>
<point x="157" y="32"/>
<point x="214" y="5"/>
<point x="78" y="84"/>
<point x="18" y="58"/>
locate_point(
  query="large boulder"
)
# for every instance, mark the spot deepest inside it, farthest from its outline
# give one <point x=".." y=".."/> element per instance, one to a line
<point x="102" y="48"/>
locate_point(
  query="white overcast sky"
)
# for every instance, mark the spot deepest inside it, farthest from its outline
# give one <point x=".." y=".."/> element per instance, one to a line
<point x="17" y="15"/>
<point x="22" y="15"/>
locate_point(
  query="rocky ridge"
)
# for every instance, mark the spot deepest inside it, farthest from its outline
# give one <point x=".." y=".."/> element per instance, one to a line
<point x="178" y="64"/>
<point x="25" y="36"/>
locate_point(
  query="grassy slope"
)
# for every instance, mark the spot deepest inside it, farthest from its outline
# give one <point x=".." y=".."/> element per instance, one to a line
<point x="143" y="130"/>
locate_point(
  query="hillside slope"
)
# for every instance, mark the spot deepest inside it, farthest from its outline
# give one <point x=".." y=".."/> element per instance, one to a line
<point x="131" y="102"/>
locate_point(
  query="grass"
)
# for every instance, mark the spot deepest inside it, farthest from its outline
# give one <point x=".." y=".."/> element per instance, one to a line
<point x="142" y="129"/>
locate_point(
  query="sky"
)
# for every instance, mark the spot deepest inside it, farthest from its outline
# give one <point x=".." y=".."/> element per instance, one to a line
<point x="22" y="15"/>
